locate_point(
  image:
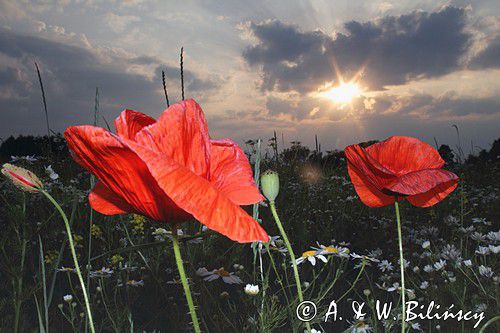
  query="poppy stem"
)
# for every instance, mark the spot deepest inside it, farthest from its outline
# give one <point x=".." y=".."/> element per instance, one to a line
<point x="75" y="259"/>
<point x="185" y="285"/>
<point x="402" y="267"/>
<point x="292" y="256"/>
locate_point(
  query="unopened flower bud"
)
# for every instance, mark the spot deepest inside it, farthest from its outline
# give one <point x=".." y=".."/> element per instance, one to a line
<point x="22" y="178"/>
<point x="270" y="184"/>
<point x="251" y="289"/>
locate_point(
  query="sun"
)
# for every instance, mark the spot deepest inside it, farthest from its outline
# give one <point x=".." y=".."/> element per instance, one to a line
<point x="344" y="93"/>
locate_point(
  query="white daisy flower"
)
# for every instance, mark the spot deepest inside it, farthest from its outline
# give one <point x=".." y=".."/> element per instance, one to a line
<point x="385" y="265"/>
<point x="483" y="250"/>
<point x="103" y="272"/>
<point x="311" y="257"/>
<point x="428" y="268"/>
<point x="359" y="327"/>
<point x="251" y="289"/>
<point x="494" y="249"/>
<point x="485" y="271"/>
<point x="337" y="251"/>
<point x="366" y="258"/>
<point x="227" y="277"/>
<point x="440" y="264"/>
<point x="52" y="175"/>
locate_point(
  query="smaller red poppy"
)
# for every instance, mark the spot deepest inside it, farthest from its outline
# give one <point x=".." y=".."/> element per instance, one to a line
<point x="397" y="168"/>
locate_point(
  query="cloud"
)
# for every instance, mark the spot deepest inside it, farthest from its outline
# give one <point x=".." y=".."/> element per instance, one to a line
<point x="71" y="74"/>
<point x="446" y="107"/>
<point x="118" y="23"/>
<point x="392" y="50"/>
<point x="489" y="57"/>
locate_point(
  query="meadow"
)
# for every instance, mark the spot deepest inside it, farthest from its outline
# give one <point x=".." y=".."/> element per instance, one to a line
<point x="451" y="251"/>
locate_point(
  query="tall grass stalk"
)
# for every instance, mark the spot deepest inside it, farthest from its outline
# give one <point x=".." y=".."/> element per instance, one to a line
<point x="44" y="100"/>
<point x="18" y="283"/>
<point x="164" y="82"/>
<point x="75" y="259"/>
<point x="44" y="282"/>
<point x="182" y="72"/>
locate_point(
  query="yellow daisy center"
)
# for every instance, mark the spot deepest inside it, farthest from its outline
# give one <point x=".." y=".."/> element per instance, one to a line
<point x="222" y="272"/>
<point x="308" y="254"/>
<point x="331" y="249"/>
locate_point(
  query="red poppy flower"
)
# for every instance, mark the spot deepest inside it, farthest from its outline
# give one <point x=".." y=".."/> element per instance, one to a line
<point x="169" y="170"/>
<point x="399" y="167"/>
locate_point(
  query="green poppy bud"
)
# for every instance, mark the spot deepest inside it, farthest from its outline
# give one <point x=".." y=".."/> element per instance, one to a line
<point x="270" y="184"/>
<point x="22" y="178"/>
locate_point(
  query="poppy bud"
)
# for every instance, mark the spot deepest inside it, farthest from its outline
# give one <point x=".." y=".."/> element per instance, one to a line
<point x="270" y="183"/>
<point x="22" y="178"/>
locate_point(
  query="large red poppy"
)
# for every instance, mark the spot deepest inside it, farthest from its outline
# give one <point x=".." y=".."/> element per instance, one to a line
<point x="169" y="170"/>
<point x="399" y="167"/>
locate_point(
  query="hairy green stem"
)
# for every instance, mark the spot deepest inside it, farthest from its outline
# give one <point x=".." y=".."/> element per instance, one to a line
<point x="75" y="259"/>
<point x="401" y="264"/>
<point x="488" y="323"/>
<point x="292" y="256"/>
<point x="185" y="285"/>
<point x="363" y="264"/>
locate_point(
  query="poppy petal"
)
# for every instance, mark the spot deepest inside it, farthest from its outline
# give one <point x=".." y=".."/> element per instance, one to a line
<point x="121" y="170"/>
<point x="367" y="192"/>
<point x="403" y="154"/>
<point x="129" y="122"/>
<point x="231" y="174"/>
<point x="434" y="195"/>
<point x="371" y="170"/>
<point x="107" y="202"/>
<point x="181" y="133"/>
<point x="200" y="198"/>
<point x="421" y="181"/>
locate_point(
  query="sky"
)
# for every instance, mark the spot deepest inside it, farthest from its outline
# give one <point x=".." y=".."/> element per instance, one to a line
<point x="255" y="67"/>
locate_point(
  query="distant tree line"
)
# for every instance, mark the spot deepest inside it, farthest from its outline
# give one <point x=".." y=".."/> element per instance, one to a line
<point x="55" y="146"/>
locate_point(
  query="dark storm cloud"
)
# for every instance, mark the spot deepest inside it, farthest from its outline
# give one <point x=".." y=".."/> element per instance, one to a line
<point x="393" y="49"/>
<point x="447" y="106"/>
<point x="489" y="57"/>
<point x="70" y="74"/>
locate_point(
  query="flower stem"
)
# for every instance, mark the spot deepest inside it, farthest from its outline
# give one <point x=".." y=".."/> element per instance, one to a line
<point x="402" y="268"/>
<point x="75" y="259"/>
<point x="292" y="256"/>
<point x="185" y="285"/>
